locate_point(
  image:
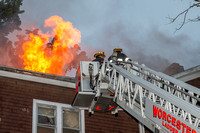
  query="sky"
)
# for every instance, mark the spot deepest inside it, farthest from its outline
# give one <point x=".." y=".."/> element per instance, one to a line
<point x="141" y="28"/>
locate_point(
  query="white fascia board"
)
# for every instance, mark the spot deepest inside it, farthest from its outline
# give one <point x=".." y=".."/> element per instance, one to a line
<point x="189" y="77"/>
<point x="188" y="74"/>
<point x="37" y="79"/>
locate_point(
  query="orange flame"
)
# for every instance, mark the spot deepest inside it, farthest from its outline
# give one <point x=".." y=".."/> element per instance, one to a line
<point x="42" y="56"/>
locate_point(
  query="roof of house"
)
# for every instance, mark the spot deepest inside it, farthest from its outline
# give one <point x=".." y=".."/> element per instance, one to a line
<point x="28" y="75"/>
<point x="189" y="74"/>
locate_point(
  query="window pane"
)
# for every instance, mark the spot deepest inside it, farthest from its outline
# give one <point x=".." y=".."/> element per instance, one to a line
<point x="45" y="130"/>
<point x="46" y="116"/>
<point x="70" y="119"/>
<point x="46" y="120"/>
<point x="70" y="131"/>
<point x="46" y="111"/>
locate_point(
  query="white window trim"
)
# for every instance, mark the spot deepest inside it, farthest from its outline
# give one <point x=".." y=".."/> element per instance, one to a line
<point x="59" y="109"/>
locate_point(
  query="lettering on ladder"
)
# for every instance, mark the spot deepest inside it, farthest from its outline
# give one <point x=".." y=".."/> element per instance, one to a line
<point x="170" y="122"/>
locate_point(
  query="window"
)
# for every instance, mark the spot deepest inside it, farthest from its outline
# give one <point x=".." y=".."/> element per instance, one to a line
<point x="70" y="121"/>
<point x="46" y="119"/>
<point x="51" y="117"/>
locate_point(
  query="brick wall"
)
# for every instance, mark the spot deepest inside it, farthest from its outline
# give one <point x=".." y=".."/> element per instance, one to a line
<point x="195" y="82"/>
<point x="107" y="123"/>
<point x="16" y="100"/>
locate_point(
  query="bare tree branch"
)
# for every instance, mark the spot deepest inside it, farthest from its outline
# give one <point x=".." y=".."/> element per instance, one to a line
<point x="195" y="19"/>
<point x="184" y="14"/>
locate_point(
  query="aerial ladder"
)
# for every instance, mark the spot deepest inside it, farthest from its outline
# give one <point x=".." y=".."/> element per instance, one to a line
<point x="159" y="102"/>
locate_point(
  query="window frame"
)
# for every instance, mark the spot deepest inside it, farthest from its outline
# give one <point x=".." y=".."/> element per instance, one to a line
<point x="55" y="115"/>
<point x="75" y="110"/>
<point x="59" y="115"/>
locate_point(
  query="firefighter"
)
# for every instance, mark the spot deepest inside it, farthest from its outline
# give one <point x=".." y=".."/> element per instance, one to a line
<point x="117" y="56"/>
<point x="99" y="57"/>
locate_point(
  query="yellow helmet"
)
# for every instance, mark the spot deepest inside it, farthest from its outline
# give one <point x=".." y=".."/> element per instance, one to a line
<point x="117" y="49"/>
<point x="99" y="54"/>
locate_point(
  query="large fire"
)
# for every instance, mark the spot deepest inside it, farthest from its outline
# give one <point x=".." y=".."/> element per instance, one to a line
<point x="50" y="52"/>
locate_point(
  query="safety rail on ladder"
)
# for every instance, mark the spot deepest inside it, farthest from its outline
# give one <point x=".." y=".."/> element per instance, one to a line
<point x="158" y="101"/>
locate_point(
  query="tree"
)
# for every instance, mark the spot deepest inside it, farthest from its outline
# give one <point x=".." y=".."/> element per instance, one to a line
<point x="9" y="15"/>
<point x="9" y="21"/>
<point x="184" y="13"/>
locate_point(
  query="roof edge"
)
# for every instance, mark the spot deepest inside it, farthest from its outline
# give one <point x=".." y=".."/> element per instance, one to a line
<point x="22" y="74"/>
<point x="188" y="74"/>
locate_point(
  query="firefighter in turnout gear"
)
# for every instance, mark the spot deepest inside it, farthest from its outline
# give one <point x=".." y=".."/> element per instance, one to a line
<point x="99" y="57"/>
<point x="117" y="56"/>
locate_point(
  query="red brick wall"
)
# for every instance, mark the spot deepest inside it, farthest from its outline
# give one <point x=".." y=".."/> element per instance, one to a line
<point x="195" y="82"/>
<point x="107" y="123"/>
<point x="16" y="100"/>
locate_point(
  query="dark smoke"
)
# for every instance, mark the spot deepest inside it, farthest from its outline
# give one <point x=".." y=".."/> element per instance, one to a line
<point x="153" y="48"/>
<point x="9" y="53"/>
<point x="118" y="35"/>
<point x="79" y="55"/>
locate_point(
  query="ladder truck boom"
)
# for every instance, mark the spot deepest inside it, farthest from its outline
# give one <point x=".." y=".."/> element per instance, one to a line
<point x="158" y="101"/>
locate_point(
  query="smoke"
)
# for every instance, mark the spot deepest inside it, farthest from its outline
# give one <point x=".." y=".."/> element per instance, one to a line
<point x="108" y="24"/>
<point x="177" y="48"/>
<point x="153" y="48"/>
<point x="5" y="57"/>
<point x="79" y="55"/>
<point x="8" y="53"/>
<point x="133" y="43"/>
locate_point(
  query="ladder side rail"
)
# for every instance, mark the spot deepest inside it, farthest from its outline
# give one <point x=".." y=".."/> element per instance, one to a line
<point x="170" y="88"/>
<point x="160" y="82"/>
<point x="158" y="92"/>
<point x="183" y="91"/>
<point x="169" y="78"/>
